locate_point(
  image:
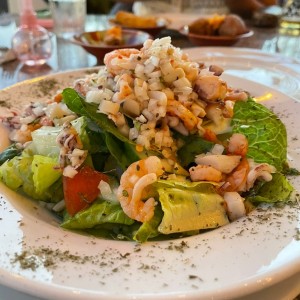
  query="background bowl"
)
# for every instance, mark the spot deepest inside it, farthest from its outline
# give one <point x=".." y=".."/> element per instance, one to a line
<point x="92" y="42"/>
<point x="213" y="40"/>
<point x="161" y="25"/>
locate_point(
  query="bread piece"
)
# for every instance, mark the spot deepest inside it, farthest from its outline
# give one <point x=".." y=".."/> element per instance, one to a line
<point x="128" y="19"/>
<point x="232" y="25"/>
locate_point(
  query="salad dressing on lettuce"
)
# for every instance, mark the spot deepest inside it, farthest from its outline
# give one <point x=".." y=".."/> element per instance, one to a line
<point x="152" y="146"/>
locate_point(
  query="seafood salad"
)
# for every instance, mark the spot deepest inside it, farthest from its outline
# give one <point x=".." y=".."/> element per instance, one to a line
<point x="151" y="146"/>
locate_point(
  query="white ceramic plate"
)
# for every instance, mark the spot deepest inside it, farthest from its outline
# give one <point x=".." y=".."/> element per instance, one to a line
<point x="272" y="70"/>
<point x="244" y="257"/>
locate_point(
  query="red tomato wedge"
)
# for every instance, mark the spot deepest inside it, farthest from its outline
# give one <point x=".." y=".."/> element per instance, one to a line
<point x="81" y="190"/>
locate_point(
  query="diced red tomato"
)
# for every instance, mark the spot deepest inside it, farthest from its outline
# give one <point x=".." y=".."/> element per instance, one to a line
<point x="81" y="190"/>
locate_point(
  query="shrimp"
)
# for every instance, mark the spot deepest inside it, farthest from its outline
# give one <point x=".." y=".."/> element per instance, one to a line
<point x="237" y="95"/>
<point x="205" y="173"/>
<point x="237" y="180"/>
<point x="174" y="108"/>
<point x="118" y="60"/>
<point x="259" y="171"/>
<point x="238" y="144"/>
<point x="223" y="163"/>
<point x="245" y="174"/>
<point x="210" y="88"/>
<point x="134" y="186"/>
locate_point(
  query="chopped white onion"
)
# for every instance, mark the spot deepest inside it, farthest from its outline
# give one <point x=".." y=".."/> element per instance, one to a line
<point x="104" y="188"/>
<point x="217" y="149"/>
<point x="69" y="171"/>
<point x="108" y="107"/>
<point x="59" y="206"/>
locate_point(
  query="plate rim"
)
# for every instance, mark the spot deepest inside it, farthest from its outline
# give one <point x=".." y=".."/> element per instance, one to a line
<point x="288" y="271"/>
<point x="185" y="31"/>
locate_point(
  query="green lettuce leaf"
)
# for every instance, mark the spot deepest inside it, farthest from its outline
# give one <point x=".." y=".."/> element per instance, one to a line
<point x="34" y="176"/>
<point x="277" y="190"/>
<point x="44" y="172"/>
<point x="12" y="171"/>
<point x="96" y="138"/>
<point x="44" y="139"/>
<point x="124" y="153"/>
<point x="149" y="229"/>
<point x="265" y="132"/>
<point x="114" y="231"/>
<point x="82" y="108"/>
<point x="193" y="146"/>
<point x="100" y="212"/>
<point x="9" y="153"/>
<point x="189" y="206"/>
<point x="121" y="148"/>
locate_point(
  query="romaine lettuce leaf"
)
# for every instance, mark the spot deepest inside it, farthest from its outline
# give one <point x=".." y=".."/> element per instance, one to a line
<point x="189" y="206"/>
<point x="44" y="139"/>
<point x="124" y="153"/>
<point x="18" y="173"/>
<point x="114" y="231"/>
<point x="193" y="146"/>
<point x="277" y="190"/>
<point x="122" y="149"/>
<point x="96" y="138"/>
<point x="12" y="170"/>
<point x="100" y="212"/>
<point x="44" y="172"/>
<point x="9" y="153"/>
<point x="82" y="108"/>
<point x="265" y="132"/>
<point x="149" y="229"/>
